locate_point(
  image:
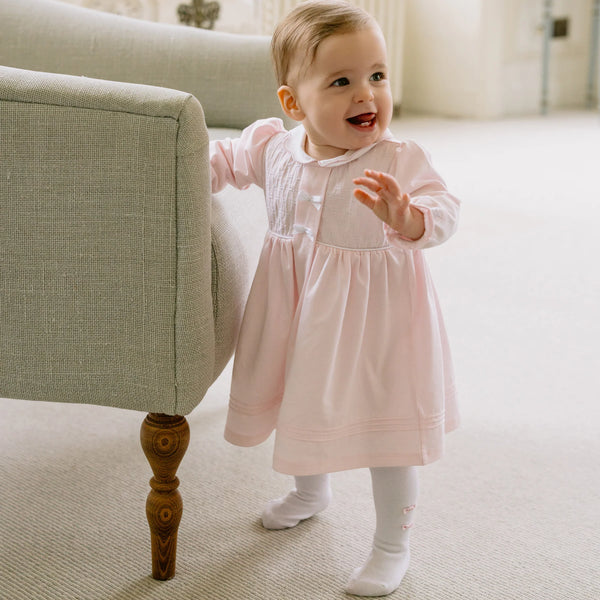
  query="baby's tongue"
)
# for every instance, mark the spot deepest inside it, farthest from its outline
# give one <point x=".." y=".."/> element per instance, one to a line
<point x="364" y="118"/>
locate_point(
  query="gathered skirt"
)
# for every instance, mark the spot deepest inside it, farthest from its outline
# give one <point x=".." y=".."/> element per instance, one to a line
<point x="344" y="354"/>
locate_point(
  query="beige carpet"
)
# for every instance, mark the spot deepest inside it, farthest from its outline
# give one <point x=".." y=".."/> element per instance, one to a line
<point x="511" y="513"/>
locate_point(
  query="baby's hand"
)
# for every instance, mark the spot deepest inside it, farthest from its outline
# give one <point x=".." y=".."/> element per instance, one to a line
<point x="390" y="204"/>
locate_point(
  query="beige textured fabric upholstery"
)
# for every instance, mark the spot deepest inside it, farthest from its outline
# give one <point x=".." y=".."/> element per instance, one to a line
<point x="102" y="252"/>
<point x="122" y="282"/>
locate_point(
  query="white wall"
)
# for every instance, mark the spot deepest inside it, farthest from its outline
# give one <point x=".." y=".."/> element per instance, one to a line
<point x="569" y="57"/>
<point x="440" y="65"/>
<point x="483" y="58"/>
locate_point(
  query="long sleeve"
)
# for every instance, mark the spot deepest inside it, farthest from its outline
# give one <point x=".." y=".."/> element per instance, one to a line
<point x="429" y="194"/>
<point x="240" y="162"/>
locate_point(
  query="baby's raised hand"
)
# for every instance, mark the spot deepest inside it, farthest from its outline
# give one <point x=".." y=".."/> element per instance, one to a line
<point x="390" y="204"/>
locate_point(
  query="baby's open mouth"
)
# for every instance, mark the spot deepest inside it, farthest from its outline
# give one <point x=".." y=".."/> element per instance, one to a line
<point x="364" y="120"/>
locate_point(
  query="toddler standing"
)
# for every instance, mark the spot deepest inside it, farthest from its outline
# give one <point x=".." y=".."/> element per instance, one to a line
<point x="342" y="349"/>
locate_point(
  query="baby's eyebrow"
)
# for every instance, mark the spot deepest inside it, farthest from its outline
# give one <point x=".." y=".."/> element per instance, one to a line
<point x="349" y="70"/>
<point x="338" y="73"/>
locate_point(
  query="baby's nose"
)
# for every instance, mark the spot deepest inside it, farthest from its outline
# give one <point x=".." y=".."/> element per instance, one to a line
<point x="364" y="93"/>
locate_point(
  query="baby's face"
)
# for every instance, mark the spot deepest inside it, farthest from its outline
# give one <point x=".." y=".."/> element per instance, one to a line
<point x="344" y="95"/>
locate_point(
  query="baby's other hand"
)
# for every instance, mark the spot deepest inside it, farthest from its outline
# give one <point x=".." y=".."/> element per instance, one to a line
<point x="390" y="204"/>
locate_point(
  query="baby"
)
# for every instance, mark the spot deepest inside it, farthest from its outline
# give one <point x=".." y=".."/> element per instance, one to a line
<point x="342" y="349"/>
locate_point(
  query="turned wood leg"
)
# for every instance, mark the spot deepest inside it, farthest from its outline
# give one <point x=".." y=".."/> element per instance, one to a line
<point x="164" y="441"/>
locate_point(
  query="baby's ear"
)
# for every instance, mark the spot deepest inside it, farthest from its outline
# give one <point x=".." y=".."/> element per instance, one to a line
<point x="289" y="103"/>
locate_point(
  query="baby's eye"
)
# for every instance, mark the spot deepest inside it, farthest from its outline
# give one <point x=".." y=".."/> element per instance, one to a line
<point x="342" y="81"/>
<point x="379" y="76"/>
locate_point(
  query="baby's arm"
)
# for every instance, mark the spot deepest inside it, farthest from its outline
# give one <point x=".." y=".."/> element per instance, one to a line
<point x="240" y="162"/>
<point x="415" y="187"/>
<point x="390" y="204"/>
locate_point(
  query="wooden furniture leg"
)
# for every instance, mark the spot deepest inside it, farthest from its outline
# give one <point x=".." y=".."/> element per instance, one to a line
<point x="164" y="440"/>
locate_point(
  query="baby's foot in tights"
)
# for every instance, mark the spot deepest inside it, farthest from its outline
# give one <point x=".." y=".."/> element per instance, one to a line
<point x="311" y="496"/>
<point x="395" y="494"/>
<point x="380" y="575"/>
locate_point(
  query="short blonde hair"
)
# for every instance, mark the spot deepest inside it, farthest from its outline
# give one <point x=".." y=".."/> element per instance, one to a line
<point x="306" y="26"/>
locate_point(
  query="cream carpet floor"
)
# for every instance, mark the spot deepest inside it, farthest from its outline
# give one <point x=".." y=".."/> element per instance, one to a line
<point x="511" y="513"/>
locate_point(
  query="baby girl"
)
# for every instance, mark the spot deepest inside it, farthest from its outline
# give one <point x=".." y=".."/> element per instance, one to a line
<point x="342" y="350"/>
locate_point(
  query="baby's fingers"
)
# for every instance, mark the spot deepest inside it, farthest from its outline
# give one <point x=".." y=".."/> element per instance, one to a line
<point x="370" y="184"/>
<point x="381" y="183"/>
<point x="364" y="198"/>
<point x="385" y="181"/>
<point x="375" y="203"/>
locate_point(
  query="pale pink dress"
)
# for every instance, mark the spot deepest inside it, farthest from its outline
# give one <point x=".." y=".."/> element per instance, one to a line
<point x="342" y="349"/>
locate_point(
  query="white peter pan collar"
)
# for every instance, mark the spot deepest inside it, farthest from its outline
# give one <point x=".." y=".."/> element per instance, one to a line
<point x="296" y="143"/>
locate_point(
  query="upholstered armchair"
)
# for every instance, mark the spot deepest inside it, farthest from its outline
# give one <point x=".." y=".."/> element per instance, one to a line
<point x="122" y="281"/>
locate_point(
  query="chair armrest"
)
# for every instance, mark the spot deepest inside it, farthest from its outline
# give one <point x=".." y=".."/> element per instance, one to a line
<point x="105" y="244"/>
<point x="231" y="75"/>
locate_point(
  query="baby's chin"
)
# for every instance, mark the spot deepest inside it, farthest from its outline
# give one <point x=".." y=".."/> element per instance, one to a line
<point x="368" y="140"/>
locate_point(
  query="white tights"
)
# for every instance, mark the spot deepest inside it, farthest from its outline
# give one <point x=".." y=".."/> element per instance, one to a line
<point x="395" y="491"/>
<point x="310" y="496"/>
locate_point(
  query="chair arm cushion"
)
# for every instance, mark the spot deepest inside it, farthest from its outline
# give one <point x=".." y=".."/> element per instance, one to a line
<point x="231" y="75"/>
